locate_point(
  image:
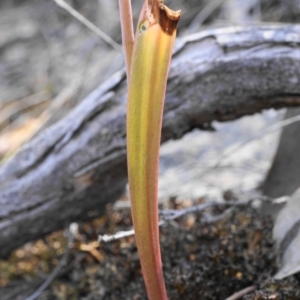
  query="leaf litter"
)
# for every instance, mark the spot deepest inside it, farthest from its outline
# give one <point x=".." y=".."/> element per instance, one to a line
<point x="201" y="260"/>
<point x="286" y="233"/>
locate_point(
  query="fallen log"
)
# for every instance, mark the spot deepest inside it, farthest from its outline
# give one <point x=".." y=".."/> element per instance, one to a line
<point x="74" y="168"/>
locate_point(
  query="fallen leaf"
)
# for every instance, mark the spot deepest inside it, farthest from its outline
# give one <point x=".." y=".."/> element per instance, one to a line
<point x="286" y="233"/>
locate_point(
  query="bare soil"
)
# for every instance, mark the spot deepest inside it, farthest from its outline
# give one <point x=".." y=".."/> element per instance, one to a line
<point x="201" y="260"/>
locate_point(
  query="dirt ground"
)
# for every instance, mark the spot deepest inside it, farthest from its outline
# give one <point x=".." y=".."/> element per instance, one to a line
<point x="49" y="62"/>
<point x="202" y="259"/>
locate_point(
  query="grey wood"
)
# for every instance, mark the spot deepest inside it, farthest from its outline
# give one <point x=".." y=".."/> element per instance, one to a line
<point x="73" y="169"/>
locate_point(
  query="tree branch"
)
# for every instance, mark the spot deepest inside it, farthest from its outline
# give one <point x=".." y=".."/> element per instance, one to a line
<point x="79" y="164"/>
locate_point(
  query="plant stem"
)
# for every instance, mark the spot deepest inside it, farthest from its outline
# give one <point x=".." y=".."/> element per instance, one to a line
<point x="151" y="57"/>
<point x="127" y="32"/>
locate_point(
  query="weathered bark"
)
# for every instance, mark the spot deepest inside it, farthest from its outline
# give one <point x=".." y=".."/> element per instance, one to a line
<point x="284" y="176"/>
<point x="79" y="164"/>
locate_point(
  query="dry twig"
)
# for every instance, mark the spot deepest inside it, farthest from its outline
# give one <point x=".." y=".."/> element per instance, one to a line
<point x="203" y="15"/>
<point x="56" y="270"/>
<point x="88" y="24"/>
<point x="170" y="215"/>
<point x="242" y="293"/>
<point x="262" y="133"/>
